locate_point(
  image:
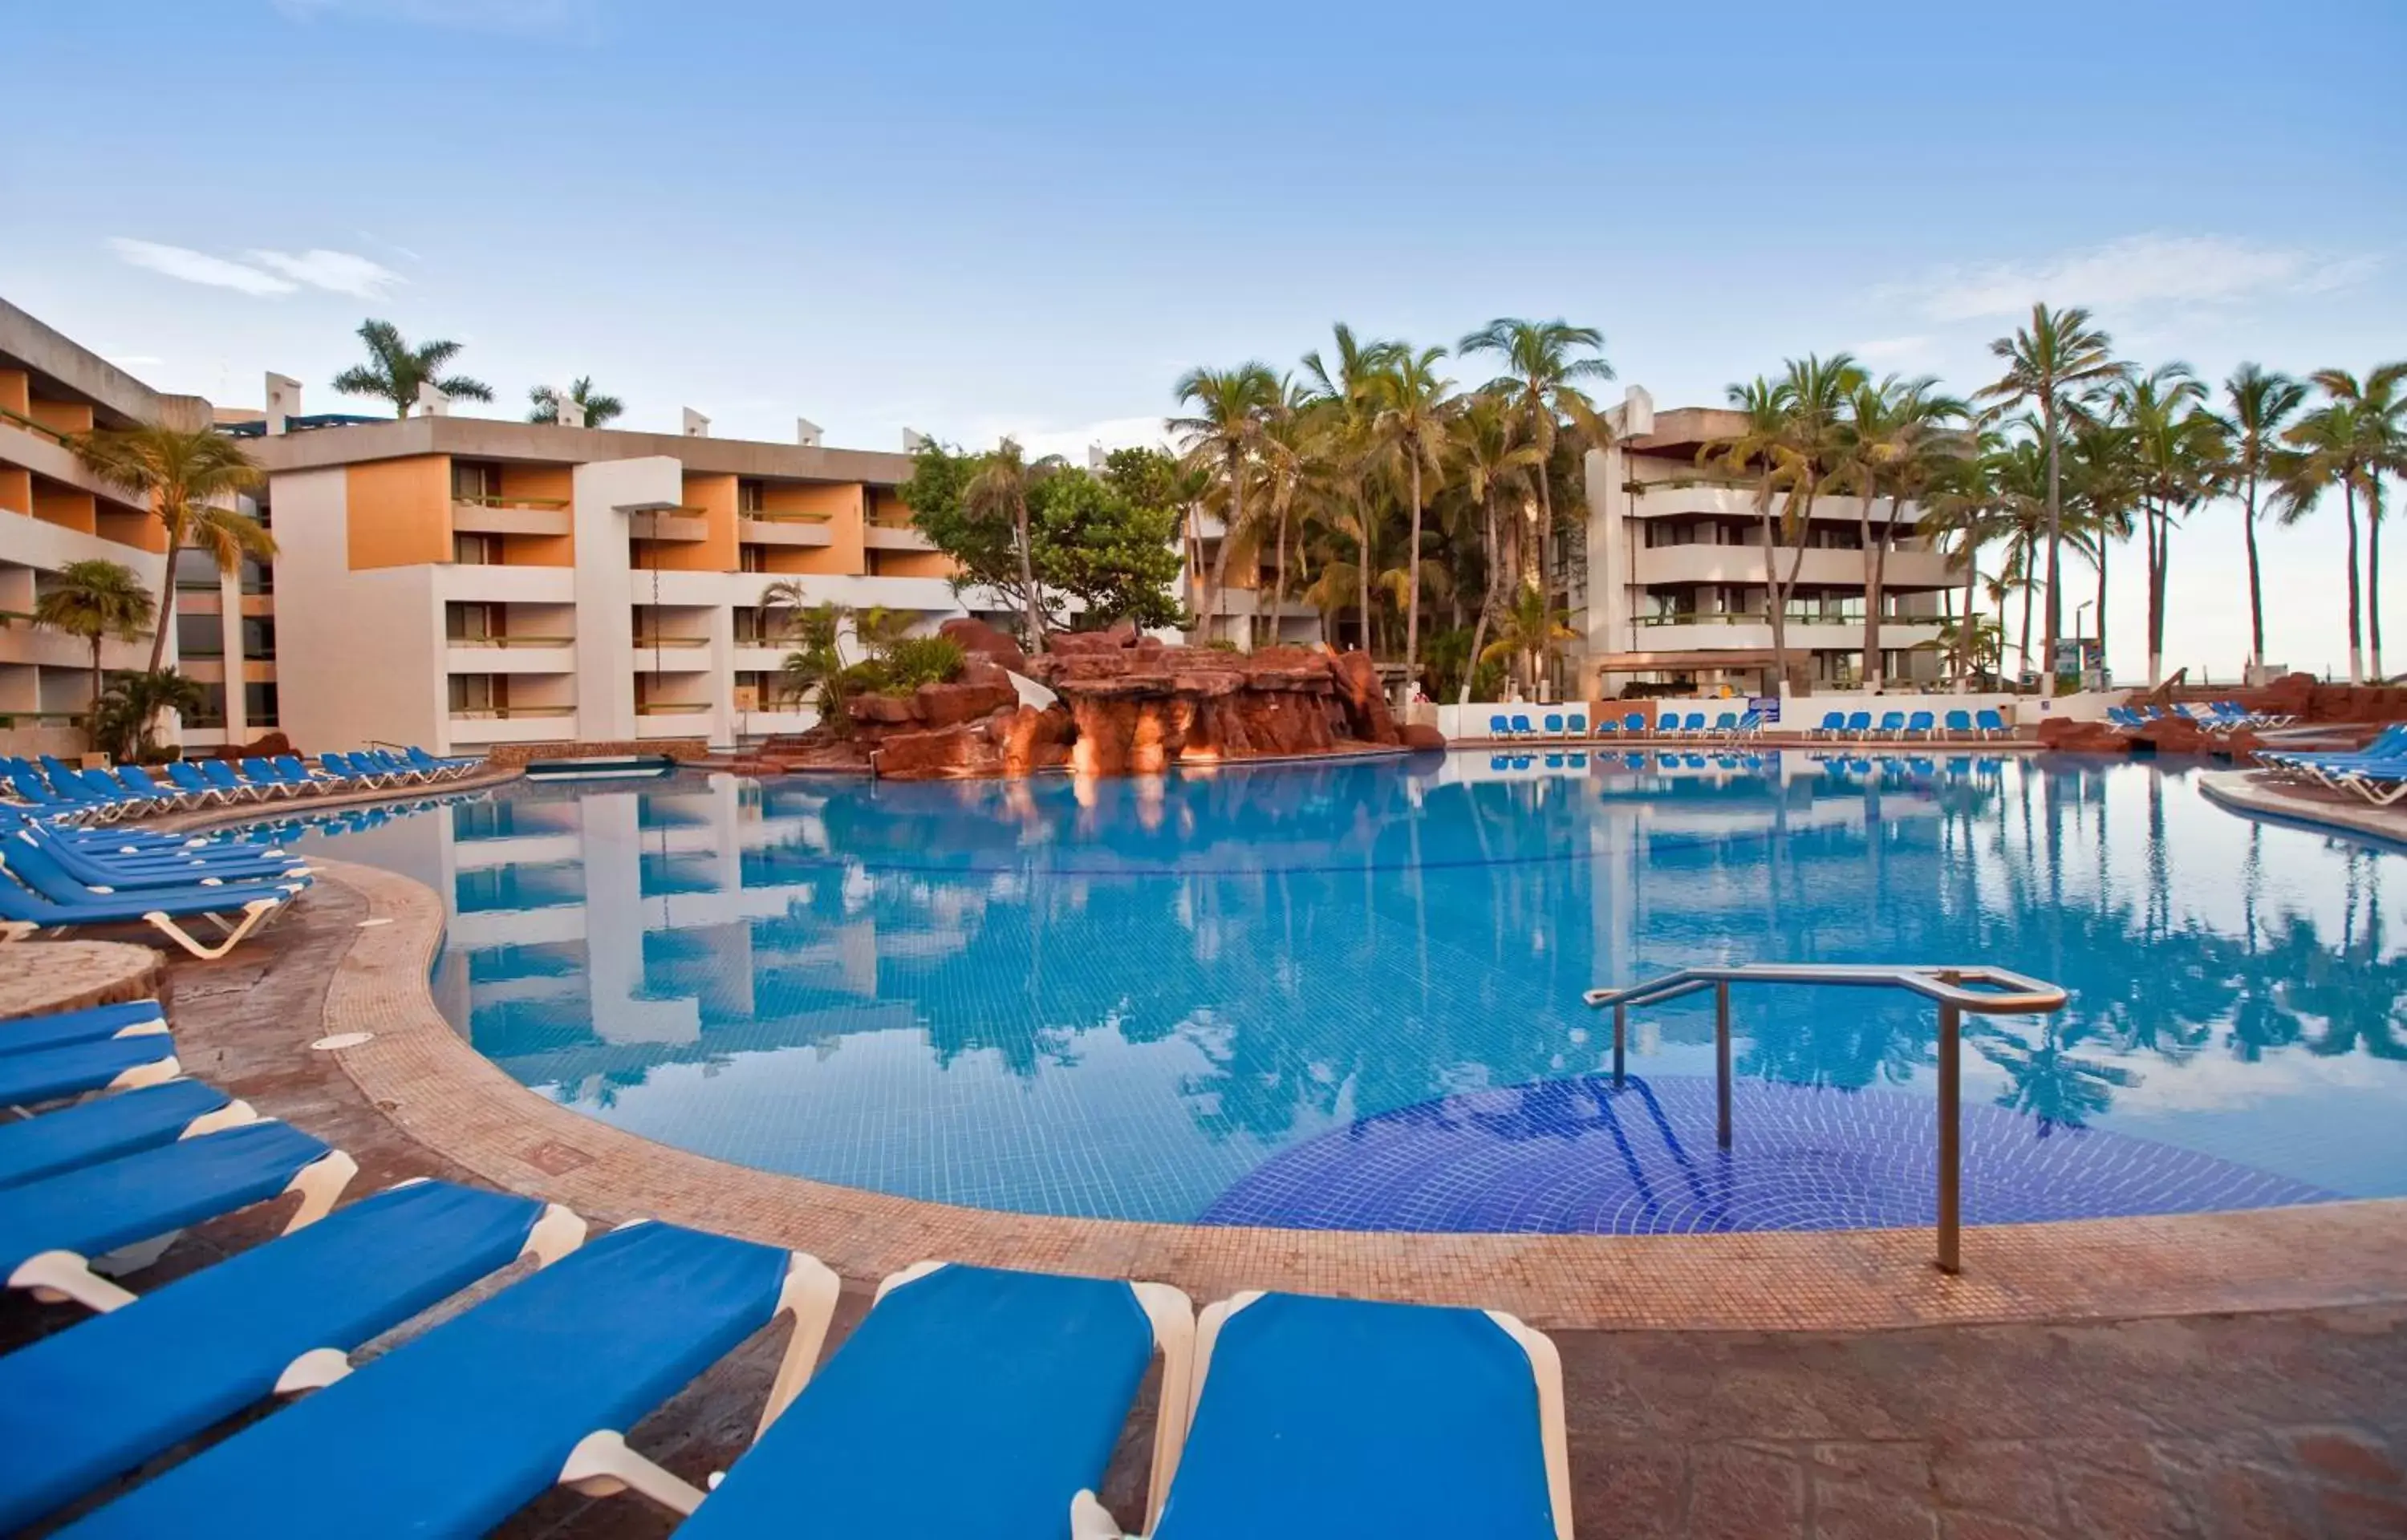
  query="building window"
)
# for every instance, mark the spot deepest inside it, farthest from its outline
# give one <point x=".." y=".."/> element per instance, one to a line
<point x="472" y="622"/>
<point x="747" y="496"/>
<point x="475" y="481"/>
<point x="212" y="712"/>
<point x="259" y="636"/>
<point x="747" y="559"/>
<point x="259" y="703"/>
<point x="258" y="577"/>
<point x="479" y="694"/>
<point x="197" y="569"/>
<point x="199" y="636"/>
<point x="476" y="550"/>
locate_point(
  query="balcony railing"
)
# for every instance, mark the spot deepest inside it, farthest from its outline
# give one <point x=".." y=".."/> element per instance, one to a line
<point x="673" y="708"/>
<point x="646" y="644"/>
<point x="513" y="639"/>
<point x="18" y="420"/>
<point x="783" y="515"/>
<point x="487" y="499"/>
<point x="505" y="713"/>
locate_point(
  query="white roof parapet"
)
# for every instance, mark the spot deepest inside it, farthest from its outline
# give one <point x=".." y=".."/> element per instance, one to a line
<point x="570" y="412"/>
<point x="431" y="401"/>
<point x="809" y="434"/>
<point x="914" y="440"/>
<point x="696" y="425"/>
<point x="1096" y="457"/>
<point x="1635" y="417"/>
<point x="283" y="401"/>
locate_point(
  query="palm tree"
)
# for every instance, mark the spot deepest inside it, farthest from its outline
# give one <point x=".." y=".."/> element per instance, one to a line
<point x="1542" y="378"/>
<point x="1757" y="451"/>
<point x="1494" y="456"/>
<point x="1813" y="394"/>
<point x="595" y="407"/>
<point x="2378" y="408"/>
<point x="95" y="599"/>
<point x="2177" y="453"/>
<point x="2260" y="403"/>
<point x="1893" y="438"/>
<point x="1964" y="503"/>
<point x="1340" y="402"/>
<point x="2056" y="364"/>
<point x="1409" y="427"/>
<point x="1529" y="628"/>
<point x="1230" y="408"/>
<point x="189" y="480"/>
<point x="2326" y="448"/>
<point x="395" y="370"/>
<point x="2101" y="481"/>
<point x="998" y="490"/>
<point x="128" y="711"/>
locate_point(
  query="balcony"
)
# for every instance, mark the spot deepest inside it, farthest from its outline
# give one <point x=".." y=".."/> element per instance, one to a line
<point x="1744" y="564"/>
<point x="673" y="719"/>
<point x="771" y="528"/>
<point x="513" y="724"/>
<point x="497" y="515"/>
<point x="510" y="654"/>
<point x="896" y="537"/>
<point x="673" y="524"/>
<point x="672" y="654"/>
<point x="1681" y="495"/>
<point x="1747" y="631"/>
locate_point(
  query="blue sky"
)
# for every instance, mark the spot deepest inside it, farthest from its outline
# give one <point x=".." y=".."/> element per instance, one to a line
<point x="1032" y="219"/>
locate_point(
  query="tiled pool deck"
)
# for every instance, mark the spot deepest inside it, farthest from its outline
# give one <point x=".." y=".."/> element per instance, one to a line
<point x="2216" y="1374"/>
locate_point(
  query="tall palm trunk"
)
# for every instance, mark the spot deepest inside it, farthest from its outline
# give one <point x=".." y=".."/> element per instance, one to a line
<point x="2356" y="651"/>
<point x="1971" y="658"/>
<point x="2148" y="524"/>
<point x="1872" y="670"/>
<point x="1775" y="592"/>
<point x="1278" y="579"/>
<point x="2256" y="585"/>
<point x="1363" y="559"/>
<point x="166" y="597"/>
<point x="1215" y="595"/>
<point x="1028" y="575"/>
<point x="2159" y="575"/>
<point x="1413" y="579"/>
<point x="1545" y="544"/>
<point x="2102" y="545"/>
<point x="92" y="720"/>
<point x="2373" y="576"/>
<point x="2029" y="589"/>
<point x="2055" y="545"/>
<point x="1490" y="603"/>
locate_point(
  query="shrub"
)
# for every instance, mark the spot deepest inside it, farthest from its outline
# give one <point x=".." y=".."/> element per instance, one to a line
<point x="908" y="662"/>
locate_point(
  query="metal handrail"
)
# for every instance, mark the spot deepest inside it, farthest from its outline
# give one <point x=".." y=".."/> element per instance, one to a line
<point x="1978" y="988"/>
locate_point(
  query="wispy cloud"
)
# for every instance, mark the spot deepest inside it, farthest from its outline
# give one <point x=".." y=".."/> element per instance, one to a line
<point x="181" y="262"/>
<point x="1072" y="443"/>
<point x="528" y="17"/>
<point x="1891" y="349"/>
<point x="2134" y="270"/>
<point x="266" y="273"/>
<point x="337" y="272"/>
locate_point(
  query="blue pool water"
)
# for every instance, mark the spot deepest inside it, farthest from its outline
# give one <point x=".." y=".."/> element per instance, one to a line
<point x="1349" y="995"/>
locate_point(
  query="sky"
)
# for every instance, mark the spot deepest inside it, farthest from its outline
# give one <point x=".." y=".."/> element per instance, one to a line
<point x="1032" y="219"/>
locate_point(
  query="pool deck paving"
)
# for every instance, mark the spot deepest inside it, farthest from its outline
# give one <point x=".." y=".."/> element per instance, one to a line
<point x="2206" y="1376"/>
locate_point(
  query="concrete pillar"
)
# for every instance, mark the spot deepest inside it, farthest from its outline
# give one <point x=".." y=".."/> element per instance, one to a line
<point x="723" y="721"/>
<point x="283" y="401"/>
<point x="237" y="711"/>
<point x="605" y="495"/>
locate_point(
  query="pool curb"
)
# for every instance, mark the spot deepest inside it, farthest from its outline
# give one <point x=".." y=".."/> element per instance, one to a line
<point x="425" y="1080"/>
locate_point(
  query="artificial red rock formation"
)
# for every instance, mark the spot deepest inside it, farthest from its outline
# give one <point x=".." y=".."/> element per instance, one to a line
<point x="1419" y="736"/>
<point x="980" y="640"/>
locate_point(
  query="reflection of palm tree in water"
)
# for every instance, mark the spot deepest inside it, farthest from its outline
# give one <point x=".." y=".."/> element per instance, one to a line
<point x="2046" y="1081"/>
<point x="1573" y="1109"/>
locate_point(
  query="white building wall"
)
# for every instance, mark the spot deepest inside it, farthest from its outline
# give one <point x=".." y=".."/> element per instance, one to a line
<point x="358" y="654"/>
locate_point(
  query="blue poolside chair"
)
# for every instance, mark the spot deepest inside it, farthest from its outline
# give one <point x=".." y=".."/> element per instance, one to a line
<point x="189" y="780"/>
<point x="2381" y="783"/>
<point x="1693" y="725"/>
<point x="43" y="867"/>
<point x="1959" y="724"/>
<point x="221" y="775"/>
<point x="93" y="1023"/>
<point x="1635" y="722"/>
<point x="455" y="1431"/>
<point x="1751" y="724"/>
<point x="102" y="1128"/>
<point x="24" y="913"/>
<point x="1335" y="1417"/>
<point x="1920" y="725"/>
<point x="153" y="867"/>
<point x="1608" y="727"/>
<point x="138" y="783"/>
<point x="42" y="1075"/>
<point x="1833" y="725"/>
<point x="51" y="1229"/>
<point x="1576" y="723"/>
<point x="394" y="764"/>
<point x="1724" y="723"/>
<point x="112" y="1391"/>
<point x="1859" y="724"/>
<point x="1500" y="727"/>
<point x="441" y="769"/>
<point x="1554" y="724"/>
<point x="1500" y="761"/>
<point x="1991" y="723"/>
<point x="1892" y="725"/>
<point x="1521" y="728"/>
<point x="1024" y="1380"/>
<point x="259" y="772"/>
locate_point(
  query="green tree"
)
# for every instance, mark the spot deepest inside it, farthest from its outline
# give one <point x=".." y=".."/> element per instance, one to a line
<point x="1542" y="377"/>
<point x="189" y="480"/>
<point x="2260" y="403"/>
<point x="597" y="407"/>
<point x="1759" y="452"/>
<point x="395" y="370"/>
<point x="1891" y="438"/>
<point x="1495" y="459"/>
<point x="2330" y="446"/>
<point x="128" y="712"/>
<point x="1228" y="408"/>
<point x="95" y="599"/>
<point x="1408" y="426"/>
<point x="2377" y="407"/>
<point x="2178" y="457"/>
<point x="2056" y="367"/>
<point x="1530" y="627"/>
<point x="997" y="495"/>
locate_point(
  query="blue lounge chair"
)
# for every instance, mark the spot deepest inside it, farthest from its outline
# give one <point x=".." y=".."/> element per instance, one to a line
<point x="138" y="783"/>
<point x="116" y="870"/>
<point x="45" y="870"/>
<point x="454" y="1432"/>
<point x="259" y="772"/>
<point x="1920" y="725"/>
<point x="24" y="913"/>
<point x="112" y="1391"/>
<point x="1635" y="722"/>
<point x="2381" y="783"/>
<point x="1608" y="727"/>
<point x="94" y="1023"/>
<point x="1991" y="723"/>
<point x="70" y="1069"/>
<point x="1500" y="727"/>
<point x="1554" y="724"/>
<point x="1695" y="726"/>
<point x="1576" y="723"/>
<point x="1958" y="723"/>
<point x="105" y="1127"/>
<point x="189" y="781"/>
<point x="1023" y="1379"/>
<point x="1725" y="725"/>
<point x="221" y="775"/>
<point x="1332" y="1416"/>
<point x="444" y="768"/>
<point x="1751" y="724"/>
<point x="51" y="1229"/>
<point x="1668" y="724"/>
<point x="1859" y="724"/>
<point x="1892" y="725"/>
<point x="403" y="771"/>
<point x="1521" y="728"/>
<point x="295" y="773"/>
<point x="1833" y="724"/>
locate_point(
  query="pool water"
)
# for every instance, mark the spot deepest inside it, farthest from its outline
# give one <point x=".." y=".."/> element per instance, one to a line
<point x="1349" y="995"/>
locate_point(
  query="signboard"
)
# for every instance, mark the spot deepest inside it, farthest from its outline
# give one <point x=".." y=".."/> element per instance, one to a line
<point x="1768" y="705"/>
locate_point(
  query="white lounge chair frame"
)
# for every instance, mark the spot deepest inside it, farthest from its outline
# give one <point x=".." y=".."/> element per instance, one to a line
<point x="54" y="1276"/>
<point x="255" y="913"/>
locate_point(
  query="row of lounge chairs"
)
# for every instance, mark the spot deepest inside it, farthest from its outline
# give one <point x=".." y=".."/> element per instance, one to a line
<point x="1574" y="726"/>
<point x="59" y="789"/>
<point x="970" y="1400"/>
<point x="1911" y="726"/>
<point x="2221" y="718"/>
<point x="60" y="876"/>
<point x="2377" y="773"/>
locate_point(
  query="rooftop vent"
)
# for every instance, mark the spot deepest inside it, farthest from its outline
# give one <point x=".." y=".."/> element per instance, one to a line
<point x="914" y="440"/>
<point x="807" y="434"/>
<point x="696" y="425"/>
<point x="283" y="401"/>
<point x="431" y="401"/>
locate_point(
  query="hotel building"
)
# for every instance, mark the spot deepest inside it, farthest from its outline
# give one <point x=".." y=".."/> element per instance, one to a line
<point x="1666" y="583"/>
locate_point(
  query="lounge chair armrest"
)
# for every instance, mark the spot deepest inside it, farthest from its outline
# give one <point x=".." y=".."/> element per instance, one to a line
<point x="809" y="1296"/>
<point x="1547" y="1368"/>
<point x="602" y="1465"/>
<point x="234" y="1114"/>
<point x="320" y="1184"/>
<point x="1091" y="1520"/>
<point x="53" y="1275"/>
<point x="313" y="1371"/>
<point x="1173" y="1317"/>
<point x="559" y="1232"/>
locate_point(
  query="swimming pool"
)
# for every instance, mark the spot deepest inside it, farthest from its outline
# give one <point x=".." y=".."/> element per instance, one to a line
<point x="1347" y="995"/>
